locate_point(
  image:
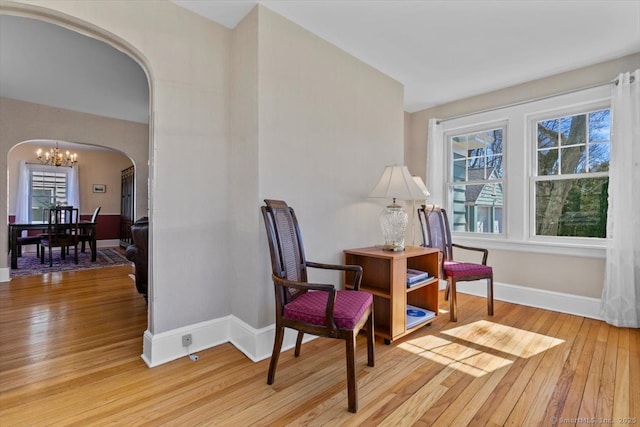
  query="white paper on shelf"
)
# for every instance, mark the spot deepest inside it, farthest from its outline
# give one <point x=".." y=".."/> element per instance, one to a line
<point x="417" y="315"/>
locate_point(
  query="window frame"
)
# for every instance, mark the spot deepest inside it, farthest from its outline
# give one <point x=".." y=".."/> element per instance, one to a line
<point x="532" y="120"/>
<point x="518" y="160"/>
<point x="450" y="183"/>
<point x="44" y="169"/>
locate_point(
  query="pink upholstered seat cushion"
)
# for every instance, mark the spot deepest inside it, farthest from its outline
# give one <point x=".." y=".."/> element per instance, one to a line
<point x="347" y="310"/>
<point x="459" y="269"/>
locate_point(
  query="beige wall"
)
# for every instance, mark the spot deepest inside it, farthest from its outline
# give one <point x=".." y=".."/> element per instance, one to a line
<point x="94" y="167"/>
<point x="308" y="123"/>
<point x="23" y="121"/>
<point x="248" y="277"/>
<point x="313" y="126"/>
<point x="567" y="274"/>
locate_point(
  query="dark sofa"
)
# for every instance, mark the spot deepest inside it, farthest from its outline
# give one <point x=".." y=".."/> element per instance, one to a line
<point x="137" y="252"/>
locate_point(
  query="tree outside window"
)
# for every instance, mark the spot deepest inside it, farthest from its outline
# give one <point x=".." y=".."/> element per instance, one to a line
<point x="571" y="181"/>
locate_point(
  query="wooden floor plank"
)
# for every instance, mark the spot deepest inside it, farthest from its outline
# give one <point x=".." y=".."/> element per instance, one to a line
<point x="634" y="375"/>
<point x="70" y="347"/>
<point x="589" y="404"/>
<point x="621" y="387"/>
<point x="566" y="377"/>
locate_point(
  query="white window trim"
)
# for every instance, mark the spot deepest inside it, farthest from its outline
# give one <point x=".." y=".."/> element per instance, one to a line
<point x="518" y="160"/>
<point x="532" y="120"/>
<point x="448" y="196"/>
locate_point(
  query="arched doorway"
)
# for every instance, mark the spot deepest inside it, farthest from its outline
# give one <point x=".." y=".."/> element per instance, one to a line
<point x="67" y="112"/>
<point x="28" y="119"/>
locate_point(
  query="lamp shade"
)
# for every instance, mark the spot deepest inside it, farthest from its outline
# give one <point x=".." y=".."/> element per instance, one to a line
<point x="397" y="183"/>
<point x="423" y="187"/>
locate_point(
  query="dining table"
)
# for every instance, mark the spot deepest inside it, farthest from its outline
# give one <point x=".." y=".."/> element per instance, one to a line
<point x="16" y="229"/>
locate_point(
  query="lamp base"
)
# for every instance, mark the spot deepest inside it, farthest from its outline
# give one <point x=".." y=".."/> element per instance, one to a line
<point x="393" y="248"/>
<point x="393" y="221"/>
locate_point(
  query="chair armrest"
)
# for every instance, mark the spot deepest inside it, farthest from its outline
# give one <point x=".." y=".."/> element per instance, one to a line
<point x="353" y="268"/>
<point x="131" y="252"/>
<point x="485" y="252"/>
<point x="330" y="289"/>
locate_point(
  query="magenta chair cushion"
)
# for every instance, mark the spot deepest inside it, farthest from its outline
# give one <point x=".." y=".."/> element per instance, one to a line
<point x="460" y="269"/>
<point x="347" y="310"/>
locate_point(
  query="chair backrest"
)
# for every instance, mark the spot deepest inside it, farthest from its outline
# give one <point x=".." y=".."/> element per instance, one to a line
<point x="435" y="230"/>
<point x="62" y="225"/>
<point x="94" y="218"/>
<point x="285" y="244"/>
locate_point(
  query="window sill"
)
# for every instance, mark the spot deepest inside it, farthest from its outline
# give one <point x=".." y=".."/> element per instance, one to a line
<point x="548" y="248"/>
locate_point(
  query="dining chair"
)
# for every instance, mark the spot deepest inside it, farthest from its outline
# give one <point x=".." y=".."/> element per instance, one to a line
<point x="88" y="234"/>
<point x="436" y="233"/>
<point x="28" y="240"/>
<point x="312" y="308"/>
<point x="62" y="232"/>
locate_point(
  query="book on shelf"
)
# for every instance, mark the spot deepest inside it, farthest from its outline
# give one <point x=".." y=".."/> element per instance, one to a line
<point x="416" y="276"/>
<point x="417" y="315"/>
<point x="418" y="283"/>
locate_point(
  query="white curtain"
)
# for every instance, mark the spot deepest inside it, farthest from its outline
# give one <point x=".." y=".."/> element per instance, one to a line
<point x="22" y="196"/>
<point x="435" y="163"/>
<point x="621" y="294"/>
<point x="73" y="187"/>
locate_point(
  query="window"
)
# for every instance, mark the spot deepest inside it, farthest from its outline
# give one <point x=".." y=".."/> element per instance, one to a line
<point x="571" y="174"/>
<point x="530" y="176"/>
<point x="47" y="189"/>
<point x="476" y="174"/>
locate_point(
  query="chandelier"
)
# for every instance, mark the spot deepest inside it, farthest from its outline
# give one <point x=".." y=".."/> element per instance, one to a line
<point x="54" y="157"/>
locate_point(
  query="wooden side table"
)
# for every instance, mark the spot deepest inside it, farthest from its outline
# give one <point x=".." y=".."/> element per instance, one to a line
<point x="385" y="276"/>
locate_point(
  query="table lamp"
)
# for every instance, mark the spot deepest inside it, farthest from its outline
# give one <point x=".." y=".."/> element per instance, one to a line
<point x="396" y="183"/>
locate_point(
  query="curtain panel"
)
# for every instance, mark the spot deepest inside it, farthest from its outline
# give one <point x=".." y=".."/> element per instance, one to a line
<point x="621" y="294"/>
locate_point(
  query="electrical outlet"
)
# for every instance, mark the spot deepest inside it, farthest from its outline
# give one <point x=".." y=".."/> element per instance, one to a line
<point x="186" y="340"/>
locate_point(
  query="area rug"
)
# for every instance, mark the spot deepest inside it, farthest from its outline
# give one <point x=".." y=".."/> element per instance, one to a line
<point x="29" y="263"/>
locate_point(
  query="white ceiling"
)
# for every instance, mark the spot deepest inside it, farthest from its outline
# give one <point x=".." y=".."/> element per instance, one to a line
<point x="50" y="65"/>
<point x="440" y="51"/>
<point x="447" y="50"/>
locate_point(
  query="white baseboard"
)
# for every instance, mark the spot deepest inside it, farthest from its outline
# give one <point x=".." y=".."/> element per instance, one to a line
<point x="256" y="344"/>
<point x="5" y="274"/>
<point x="539" y="298"/>
<point x="111" y="243"/>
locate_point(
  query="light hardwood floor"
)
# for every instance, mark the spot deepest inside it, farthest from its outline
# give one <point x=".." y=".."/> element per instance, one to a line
<point x="70" y="346"/>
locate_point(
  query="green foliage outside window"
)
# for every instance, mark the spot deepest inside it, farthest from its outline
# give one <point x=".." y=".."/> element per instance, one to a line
<point x="572" y="175"/>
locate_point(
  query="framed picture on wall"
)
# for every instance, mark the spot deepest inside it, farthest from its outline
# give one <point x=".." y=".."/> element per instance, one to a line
<point x="99" y="188"/>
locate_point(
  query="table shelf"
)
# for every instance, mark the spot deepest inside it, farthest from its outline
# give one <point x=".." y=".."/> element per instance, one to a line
<point x="385" y="276"/>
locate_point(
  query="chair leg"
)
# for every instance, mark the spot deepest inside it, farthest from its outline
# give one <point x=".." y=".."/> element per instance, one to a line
<point x="446" y="290"/>
<point x="277" y="345"/>
<point x="50" y="257"/>
<point x="296" y="353"/>
<point x="453" y="303"/>
<point x="352" y="385"/>
<point x="490" y="296"/>
<point x="370" y="340"/>
<point x="75" y="253"/>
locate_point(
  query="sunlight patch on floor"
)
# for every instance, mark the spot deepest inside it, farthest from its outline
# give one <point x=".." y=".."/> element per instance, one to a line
<point x="479" y="347"/>
<point x="506" y="339"/>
